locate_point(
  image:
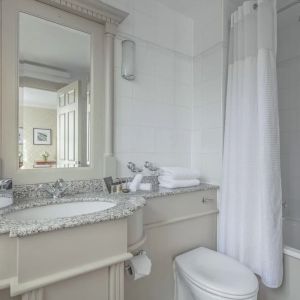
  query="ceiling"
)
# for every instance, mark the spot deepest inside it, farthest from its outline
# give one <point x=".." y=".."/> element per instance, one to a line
<point x="194" y="8"/>
<point x="50" y="44"/>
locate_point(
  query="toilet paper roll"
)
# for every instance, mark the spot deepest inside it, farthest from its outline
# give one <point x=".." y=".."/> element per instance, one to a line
<point x="139" y="266"/>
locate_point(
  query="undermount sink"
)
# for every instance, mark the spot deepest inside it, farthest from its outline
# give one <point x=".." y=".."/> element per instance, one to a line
<point x="63" y="210"/>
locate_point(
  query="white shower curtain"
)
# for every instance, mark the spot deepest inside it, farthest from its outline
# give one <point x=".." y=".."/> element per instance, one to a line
<point x="250" y="224"/>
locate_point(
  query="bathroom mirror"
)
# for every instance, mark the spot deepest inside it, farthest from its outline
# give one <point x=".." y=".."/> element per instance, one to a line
<point x="54" y="103"/>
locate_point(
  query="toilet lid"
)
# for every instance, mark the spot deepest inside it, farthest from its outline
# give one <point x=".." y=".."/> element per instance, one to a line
<point x="217" y="273"/>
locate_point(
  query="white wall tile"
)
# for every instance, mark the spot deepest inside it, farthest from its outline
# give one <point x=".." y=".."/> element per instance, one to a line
<point x="209" y="115"/>
<point x="145" y="59"/>
<point x="208" y="91"/>
<point x="123" y="88"/>
<point x="183" y="69"/>
<point x="165" y="64"/>
<point x="144" y="87"/>
<point x="210" y="34"/>
<point x="183" y="118"/>
<point x="172" y="141"/>
<point x="209" y="80"/>
<point x="211" y="167"/>
<point x="212" y="64"/>
<point x="164" y="91"/>
<point x="123" y="110"/>
<point x="150" y="124"/>
<point x="184" y="95"/>
<point x="155" y="113"/>
<point x="134" y="139"/>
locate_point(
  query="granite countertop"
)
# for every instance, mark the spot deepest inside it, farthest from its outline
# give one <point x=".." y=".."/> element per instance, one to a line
<point x="169" y="192"/>
<point x="126" y="205"/>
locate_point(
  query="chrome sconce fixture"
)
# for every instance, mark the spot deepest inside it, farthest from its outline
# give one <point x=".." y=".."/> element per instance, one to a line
<point x="128" y="60"/>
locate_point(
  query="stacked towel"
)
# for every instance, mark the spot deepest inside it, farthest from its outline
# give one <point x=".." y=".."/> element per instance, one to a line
<point x="179" y="173"/>
<point x="176" y="177"/>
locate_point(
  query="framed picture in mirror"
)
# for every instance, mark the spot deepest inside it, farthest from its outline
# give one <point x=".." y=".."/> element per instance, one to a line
<point x="41" y="136"/>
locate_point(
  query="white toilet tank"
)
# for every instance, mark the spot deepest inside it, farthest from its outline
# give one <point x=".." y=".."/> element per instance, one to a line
<point x="203" y="274"/>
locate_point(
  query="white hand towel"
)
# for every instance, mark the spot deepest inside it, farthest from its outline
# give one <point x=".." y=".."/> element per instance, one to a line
<point x="173" y="184"/>
<point x="179" y="173"/>
<point x="134" y="184"/>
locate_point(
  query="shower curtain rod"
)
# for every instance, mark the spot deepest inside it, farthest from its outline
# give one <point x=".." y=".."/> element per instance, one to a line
<point x="284" y="8"/>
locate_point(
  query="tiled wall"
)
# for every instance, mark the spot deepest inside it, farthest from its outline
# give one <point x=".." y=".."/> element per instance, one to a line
<point x="289" y="109"/>
<point x="209" y="87"/>
<point x="172" y="114"/>
<point x="153" y="118"/>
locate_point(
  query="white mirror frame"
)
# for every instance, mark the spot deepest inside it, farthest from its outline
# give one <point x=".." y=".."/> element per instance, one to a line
<point x="102" y="70"/>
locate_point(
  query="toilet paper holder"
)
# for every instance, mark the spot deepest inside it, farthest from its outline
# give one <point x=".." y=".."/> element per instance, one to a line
<point x="127" y="267"/>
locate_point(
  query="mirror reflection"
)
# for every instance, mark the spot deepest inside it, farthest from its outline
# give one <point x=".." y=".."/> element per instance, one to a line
<point x="54" y="95"/>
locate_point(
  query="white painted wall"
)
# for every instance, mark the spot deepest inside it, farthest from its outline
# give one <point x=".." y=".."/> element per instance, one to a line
<point x="153" y="113"/>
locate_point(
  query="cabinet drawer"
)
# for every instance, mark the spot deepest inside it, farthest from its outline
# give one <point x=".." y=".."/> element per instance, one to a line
<point x="166" y="208"/>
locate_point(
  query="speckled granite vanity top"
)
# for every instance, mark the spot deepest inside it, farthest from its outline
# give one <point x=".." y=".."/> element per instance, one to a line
<point x="169" y="192"/>
<point x="126" y="205"/>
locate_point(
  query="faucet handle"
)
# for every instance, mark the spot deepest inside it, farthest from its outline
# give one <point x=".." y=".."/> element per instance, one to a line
<point x="133" y="168"/>
<point x="150" y="166"/>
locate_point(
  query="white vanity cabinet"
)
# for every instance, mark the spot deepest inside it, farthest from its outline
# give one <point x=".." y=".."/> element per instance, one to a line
<point x="173" y="224"/>
<point x="85" y="262"/>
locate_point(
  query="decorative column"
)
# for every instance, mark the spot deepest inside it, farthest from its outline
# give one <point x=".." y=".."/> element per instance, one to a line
<point x="37" y="294"/>
<point x="110" y="165"/>
<point x="116" y="282"/>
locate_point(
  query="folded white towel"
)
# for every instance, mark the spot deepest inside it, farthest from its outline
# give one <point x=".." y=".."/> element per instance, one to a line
<point x="134" y="184"/>
<point x="173" y="184"/>
<point x="179" y="173"/>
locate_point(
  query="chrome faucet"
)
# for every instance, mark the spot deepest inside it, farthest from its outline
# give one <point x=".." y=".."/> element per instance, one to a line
<point x="56" y="190"/>
<point x="6" y="184"/>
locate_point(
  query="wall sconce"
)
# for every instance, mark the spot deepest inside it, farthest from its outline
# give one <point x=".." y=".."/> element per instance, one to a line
<point x="128" y="60"/>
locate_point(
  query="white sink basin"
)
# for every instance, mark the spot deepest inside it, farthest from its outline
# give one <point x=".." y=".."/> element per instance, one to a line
<point x="60" y="210"/>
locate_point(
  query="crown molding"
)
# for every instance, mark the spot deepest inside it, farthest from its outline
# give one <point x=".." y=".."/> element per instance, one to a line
<point x="94" y="10"/>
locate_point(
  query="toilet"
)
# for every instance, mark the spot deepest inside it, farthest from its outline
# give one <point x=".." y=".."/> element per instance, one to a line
<point x="203" y="274"/>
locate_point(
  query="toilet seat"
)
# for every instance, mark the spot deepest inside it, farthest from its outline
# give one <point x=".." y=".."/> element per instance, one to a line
<point x="217" y="274"/>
